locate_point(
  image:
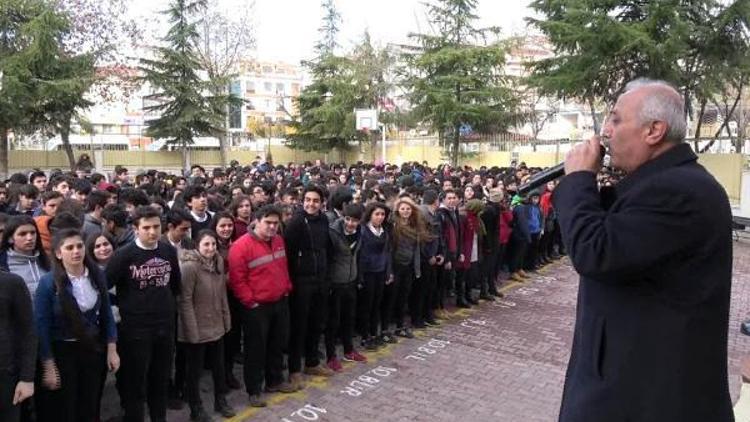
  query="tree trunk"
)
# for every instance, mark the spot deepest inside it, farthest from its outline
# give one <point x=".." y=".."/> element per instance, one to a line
<point x="184" y="150"/>
<point x="698" y="126"/>
<point x="374" y="148"/>
<point x="3" y="153"/>
<point x="223" y="139"/>
<point x="597" y="127"/>
<point x="725" y="124"/>
<point x="223" y="149"/>
<point x="65" y="136"/>
<point x="454" y="145"/>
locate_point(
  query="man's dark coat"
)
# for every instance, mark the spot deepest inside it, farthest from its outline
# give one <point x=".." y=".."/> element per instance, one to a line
<point x="650" y="340"/>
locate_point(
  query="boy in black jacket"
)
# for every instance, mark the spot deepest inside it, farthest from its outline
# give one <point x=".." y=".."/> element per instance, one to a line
<point x="146" y="274"/>
<point x="307" y="247"/>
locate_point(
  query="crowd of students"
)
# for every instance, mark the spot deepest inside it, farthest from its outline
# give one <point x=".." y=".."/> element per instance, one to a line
<point x="157" y="277"/>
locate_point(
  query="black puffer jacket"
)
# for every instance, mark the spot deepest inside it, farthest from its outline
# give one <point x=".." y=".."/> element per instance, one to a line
<point x="307" y="247"/>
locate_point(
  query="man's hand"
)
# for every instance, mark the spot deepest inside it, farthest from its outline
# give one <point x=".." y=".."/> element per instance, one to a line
<point x="585" y="156"/>
<point x="113" y="359"/>
<point x="24" y="390"/>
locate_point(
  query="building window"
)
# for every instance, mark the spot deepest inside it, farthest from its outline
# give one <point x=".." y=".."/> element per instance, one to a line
<point x="249" y="87"/>
<point x="295" y="89"/>
<point x="268" y="87"/>
<point x="280" y="88"/>
<point x="235" y="117"/>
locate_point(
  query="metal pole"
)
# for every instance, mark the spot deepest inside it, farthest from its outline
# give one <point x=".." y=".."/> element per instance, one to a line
<point x="383" y="146"/>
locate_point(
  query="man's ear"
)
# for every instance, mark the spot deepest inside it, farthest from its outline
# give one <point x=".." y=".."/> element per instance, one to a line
<point x="657" y="131"/>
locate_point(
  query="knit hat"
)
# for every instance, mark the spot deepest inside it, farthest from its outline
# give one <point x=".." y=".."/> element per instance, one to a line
<point x="496" y="195"/>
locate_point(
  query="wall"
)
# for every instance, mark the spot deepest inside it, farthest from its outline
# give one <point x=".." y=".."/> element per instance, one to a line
<point x="727" y="169"/>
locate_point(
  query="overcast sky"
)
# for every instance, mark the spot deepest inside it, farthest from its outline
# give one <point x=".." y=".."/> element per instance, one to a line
<point x="287" y="29"/>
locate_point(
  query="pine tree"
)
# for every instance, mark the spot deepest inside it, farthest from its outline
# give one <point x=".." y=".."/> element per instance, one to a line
<point x="329" y="29"/>
<point x="15" y="87"/>
<point x="373" y="68"/>
<point x="601" y="44"/>
<point x="455" y="78"/>
<point x="58" y="80"/>
<point x="184" y="100"/>
<point x="326" y="119"/>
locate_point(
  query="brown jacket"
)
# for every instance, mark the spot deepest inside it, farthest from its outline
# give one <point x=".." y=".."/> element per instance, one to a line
<point x="203" y="310"/>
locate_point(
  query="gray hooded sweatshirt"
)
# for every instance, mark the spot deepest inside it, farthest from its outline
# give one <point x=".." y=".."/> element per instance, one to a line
<point x="27" y="267"/>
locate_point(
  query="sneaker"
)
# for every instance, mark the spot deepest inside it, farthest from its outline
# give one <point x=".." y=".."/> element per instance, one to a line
<point x="318" y="371"/>
<point x="354" y="356"/>
<point x="232" y="382"/>
<point x="369" y="344"/>
<point x="378" y="341"/>
<point x="517" y="277"/>
<point x="335" y="365"/>
<point x="222" y="407"/>
<point x="297" y="381"/>
<point x="745" y="328"/>
<point x="404" y="332"/>
<point x="487" y="297"/>
<point x="256" y="401"/>
<point x="431" y="322"/>
<point x="388" y="338"/>
<point x="283" y="387"/>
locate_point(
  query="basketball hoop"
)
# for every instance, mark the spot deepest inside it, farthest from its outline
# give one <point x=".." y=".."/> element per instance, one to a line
<point x="366" y="120"/>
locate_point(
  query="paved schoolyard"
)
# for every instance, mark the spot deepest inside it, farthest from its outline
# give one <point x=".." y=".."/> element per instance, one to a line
<point x="501" y="361"/>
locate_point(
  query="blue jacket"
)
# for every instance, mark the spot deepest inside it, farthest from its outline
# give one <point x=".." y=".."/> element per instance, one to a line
<point x="535" y="219"/>
<point x="51" y="322"/>
<point x="374" y="252"/>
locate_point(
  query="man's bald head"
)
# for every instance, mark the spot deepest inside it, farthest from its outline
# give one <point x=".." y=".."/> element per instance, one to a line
<point x="659" y="101"/>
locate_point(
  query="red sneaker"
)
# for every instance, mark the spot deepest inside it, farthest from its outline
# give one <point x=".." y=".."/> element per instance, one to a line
<point x="354" y="356"/>
<point x="335" y="365"/>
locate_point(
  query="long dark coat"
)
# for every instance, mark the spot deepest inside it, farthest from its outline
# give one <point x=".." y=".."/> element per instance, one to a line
<point x="650" y="340"/>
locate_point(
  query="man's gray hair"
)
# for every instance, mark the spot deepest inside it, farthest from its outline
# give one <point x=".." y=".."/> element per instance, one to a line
<point x="658" y="105"/>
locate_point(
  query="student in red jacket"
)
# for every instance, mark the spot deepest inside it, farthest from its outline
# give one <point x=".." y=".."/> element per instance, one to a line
<point x="259" y="279"/>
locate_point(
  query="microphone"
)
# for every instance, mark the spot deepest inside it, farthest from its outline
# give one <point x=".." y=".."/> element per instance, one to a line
<point x="549" y="174"/>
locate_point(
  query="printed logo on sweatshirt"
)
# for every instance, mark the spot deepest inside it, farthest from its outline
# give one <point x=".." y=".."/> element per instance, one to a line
<point x="152" y="273"/>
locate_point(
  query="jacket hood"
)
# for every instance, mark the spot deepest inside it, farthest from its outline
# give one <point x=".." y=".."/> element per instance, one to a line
<point x="91" y="220"/>
<point x="22" y="258"/>
<point x="338" y="227"/>
<point x="214" y="265"/>
<point x="125" y="237"/>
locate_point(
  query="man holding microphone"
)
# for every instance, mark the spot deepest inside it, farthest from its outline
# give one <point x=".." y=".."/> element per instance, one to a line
<point x="650" y="340"/>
